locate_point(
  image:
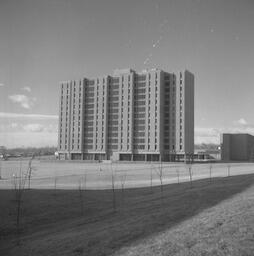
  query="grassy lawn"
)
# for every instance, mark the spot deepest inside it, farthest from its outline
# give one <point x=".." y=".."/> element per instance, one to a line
<point x="63" y="222"/>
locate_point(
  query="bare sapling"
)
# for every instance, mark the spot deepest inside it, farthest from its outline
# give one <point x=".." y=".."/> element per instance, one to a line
<point x="160" y="174"/>
<point x="229" y="166"/>
<point x="19" y="182"/>
<point x="113" y="188"/>
<point x="151" y="179"/>
<point x="29" y="171"/>
<point x="0" y="169"/>
<point x="189" y="166"/>
<point x="210" y="172"/>
<point x="178" y="176"/>
<point x="55" y="183"/>
<point x="81" y="201"/>
<point x="122" y="180"/>
<point x="84" y="181"/>
<point x="84" y="192"/>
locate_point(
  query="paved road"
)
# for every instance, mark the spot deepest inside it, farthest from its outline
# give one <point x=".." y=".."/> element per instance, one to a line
<point x="70" y="175"/>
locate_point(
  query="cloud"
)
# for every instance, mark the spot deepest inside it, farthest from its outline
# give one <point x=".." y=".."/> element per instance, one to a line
<point x="207" y="135"/>
<point x="157" y="42"/>
<point x="212" y="135"/>
<point x="206" y="132"/>
<point x="52" y="128"/>
<point x="241" y="121"/>
<point x="154" y="45"/>
<point x="33" y="127"/>
<point x="36" y="127"/>
<point x="1" y="85"/>
<point x="41" y="126"/>
<point x="146" y="61"/>
<point x="28" y="139"/>
<point x="28" y="135"/>
<point x="26" y="88"/>
<point x="23" y="100"/>
<point x="27" y="116"/>
<point x="14" y="125"/>
<point x="243" y="129"/>
<point x="37" y="130"/>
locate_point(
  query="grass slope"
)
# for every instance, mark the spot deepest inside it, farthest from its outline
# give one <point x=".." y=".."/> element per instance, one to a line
<point x="54" y="223"/>
<point x="226" y="229"/>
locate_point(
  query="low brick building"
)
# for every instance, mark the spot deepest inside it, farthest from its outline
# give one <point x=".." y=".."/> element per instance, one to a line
<point x="237" y="147"/>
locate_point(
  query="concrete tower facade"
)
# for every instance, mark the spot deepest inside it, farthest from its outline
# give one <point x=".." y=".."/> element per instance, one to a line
<point x="147" y="116"/>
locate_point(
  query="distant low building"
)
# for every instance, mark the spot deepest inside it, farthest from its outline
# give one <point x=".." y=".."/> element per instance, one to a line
<point x="207" y="155"/>
<point x="237" y="147"/>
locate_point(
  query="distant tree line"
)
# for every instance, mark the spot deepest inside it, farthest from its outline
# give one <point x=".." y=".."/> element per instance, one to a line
<point x="28" y="152"/>
<point x="206" y="146"/>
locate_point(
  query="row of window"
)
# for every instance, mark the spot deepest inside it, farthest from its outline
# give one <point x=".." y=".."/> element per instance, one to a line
<point x="115" y="146"/>
<point x="167" y="147"/>
<point x="143" y="147"/>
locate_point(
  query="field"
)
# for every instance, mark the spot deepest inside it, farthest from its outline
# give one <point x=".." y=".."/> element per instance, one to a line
<point x="78" y="213"/>
<point x="68" y="175"/>
<point x="211" y="217"/>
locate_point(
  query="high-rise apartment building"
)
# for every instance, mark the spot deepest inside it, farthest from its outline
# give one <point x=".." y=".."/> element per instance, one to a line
<point x="145" y="116"/>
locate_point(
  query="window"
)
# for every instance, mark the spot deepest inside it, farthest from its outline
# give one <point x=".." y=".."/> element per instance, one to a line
<point x="139" y="96"/>
<point x="115" y="80"/>
<point x="140" y="78"/>
<point x="91" y="82"/>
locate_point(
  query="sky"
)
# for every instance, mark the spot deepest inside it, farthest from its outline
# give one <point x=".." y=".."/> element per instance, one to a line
<point x="45" y="42"/>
